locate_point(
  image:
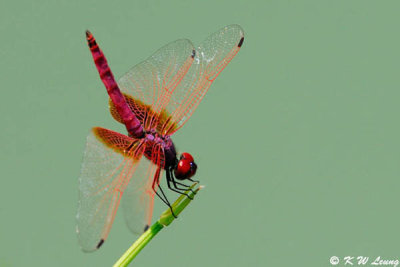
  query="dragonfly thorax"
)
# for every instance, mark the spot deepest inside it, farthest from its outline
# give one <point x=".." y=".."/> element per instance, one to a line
<point x="184" y="168"/>
<point x="154" y="142"/>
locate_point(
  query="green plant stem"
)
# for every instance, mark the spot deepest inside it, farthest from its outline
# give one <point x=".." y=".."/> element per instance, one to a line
<point x="166" y="219"/>
<point x="139" y="244"/>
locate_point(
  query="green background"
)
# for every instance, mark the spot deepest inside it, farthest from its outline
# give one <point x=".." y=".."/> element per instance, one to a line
<point x="297" y="141"/>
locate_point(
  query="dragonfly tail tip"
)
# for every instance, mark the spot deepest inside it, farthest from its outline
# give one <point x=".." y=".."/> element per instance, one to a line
<point x="88" y="33"/>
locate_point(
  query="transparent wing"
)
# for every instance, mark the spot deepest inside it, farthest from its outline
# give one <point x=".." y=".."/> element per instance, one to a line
<point x="211" y="57"/>
<point x="138" y="199"/>
<point x="165" y="89"/>
<point x="153" y="81"/>
<point x="109" y="161"/>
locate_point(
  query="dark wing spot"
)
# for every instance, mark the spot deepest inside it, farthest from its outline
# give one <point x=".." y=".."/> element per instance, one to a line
<point x="193" y="53"/>
<point x="100" y="243"/>
<point x="146" y="227"/>
<point x="241" y="42"/>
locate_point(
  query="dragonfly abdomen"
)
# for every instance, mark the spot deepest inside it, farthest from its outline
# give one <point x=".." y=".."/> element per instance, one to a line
<point x="131" y="122"/>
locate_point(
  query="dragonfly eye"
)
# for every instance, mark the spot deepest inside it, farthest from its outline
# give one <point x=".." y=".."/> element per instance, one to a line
<point x="187" y="156"/>
<point x="193" y="168"/>
<point x="186" y="167"/>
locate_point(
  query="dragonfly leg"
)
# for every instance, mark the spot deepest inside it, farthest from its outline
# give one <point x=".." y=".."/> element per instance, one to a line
<point x="169" y="205"/>
<point x="163" y="197"/>
<point x="175" y="188"/>
<point x="178" y="183"/>
<point x="194" y="181"/>
<point x="173" y="179"/>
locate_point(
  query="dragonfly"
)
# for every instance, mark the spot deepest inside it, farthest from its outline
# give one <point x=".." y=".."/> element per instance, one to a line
<point x="152" y="100"/>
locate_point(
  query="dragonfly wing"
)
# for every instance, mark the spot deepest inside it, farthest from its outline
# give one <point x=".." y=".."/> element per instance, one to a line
<point x="153" y="81"/>
<point x="211" y="57"/>
<point x="109" y="161"/>
<point x="138" y="198"/>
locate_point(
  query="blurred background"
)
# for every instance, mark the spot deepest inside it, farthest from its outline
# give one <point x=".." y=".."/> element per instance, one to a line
<point x="297" y="141"/>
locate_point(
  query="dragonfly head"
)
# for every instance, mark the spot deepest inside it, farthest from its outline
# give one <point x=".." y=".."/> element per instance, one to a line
<point x="186" y="167"/>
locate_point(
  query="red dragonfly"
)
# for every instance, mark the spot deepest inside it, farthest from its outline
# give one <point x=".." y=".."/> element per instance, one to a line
<point x="153" y="100"/>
